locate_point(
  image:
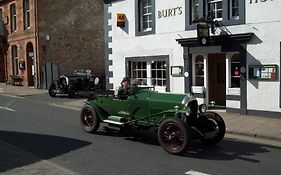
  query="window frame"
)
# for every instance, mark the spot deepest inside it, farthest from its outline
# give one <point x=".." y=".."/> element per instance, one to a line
<point x="15" y="59"/>
<point x="159" y="77"/>
<point x="216" y="9"/>
<point x="201" y="76"/>
<point x="26" y="14"/>
<point x="234" y="60"/>
<point x="138" y="19"/>
<point x="195" y="6"/>
<point x="203" y="10"/>
<point x="13" y="17"/>
<point x="231" y="7"/>
<point x="149" y="61"/>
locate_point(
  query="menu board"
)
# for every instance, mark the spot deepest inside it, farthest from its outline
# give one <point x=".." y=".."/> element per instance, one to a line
<point x="263" y="72"/>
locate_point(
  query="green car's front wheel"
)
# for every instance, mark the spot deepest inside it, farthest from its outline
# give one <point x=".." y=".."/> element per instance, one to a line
<point x="174" y="136"/>
<point x="89" y="119"/>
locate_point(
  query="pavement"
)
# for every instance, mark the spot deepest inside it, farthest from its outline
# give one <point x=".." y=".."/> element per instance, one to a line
<point x="255" y="127"/>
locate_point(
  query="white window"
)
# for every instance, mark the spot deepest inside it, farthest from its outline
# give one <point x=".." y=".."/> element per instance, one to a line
<point x="234" y="9"/>
<point x="235" y="71"/>
<point x="26" y="9"/>
<point x="145" y="15"/>
<point x="199" y="70"/>
<point x="215" y="7"/>
<point x="15" y="60"/>
<point x="195" y="9"/>
<point x="148" y="73"/>
<point x="158" y="73"/>
<point x="139" y="72"/>
<point x="13" y="18"/>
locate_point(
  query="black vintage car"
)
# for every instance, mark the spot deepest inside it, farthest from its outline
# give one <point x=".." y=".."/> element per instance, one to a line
<point x="78" y="81"/>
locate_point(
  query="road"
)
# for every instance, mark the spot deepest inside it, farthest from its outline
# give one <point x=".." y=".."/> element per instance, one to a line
<point x="54" y="134"/>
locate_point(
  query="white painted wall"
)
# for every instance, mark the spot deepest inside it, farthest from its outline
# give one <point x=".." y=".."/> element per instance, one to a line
<point x="262" y="18"/>
<point x="125" y="44"/>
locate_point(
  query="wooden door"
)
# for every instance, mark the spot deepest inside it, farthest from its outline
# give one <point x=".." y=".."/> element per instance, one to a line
<point x="217" y="78"/>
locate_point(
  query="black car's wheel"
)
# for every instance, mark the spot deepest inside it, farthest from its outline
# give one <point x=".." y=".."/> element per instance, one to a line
<point x="174" y="136"/>
<point x="214" y="128"/>
<point x="89" y="119"/>
<point x="52" y="90"/>
<point x="85" y="83"/>
<point x="71" y="90"/>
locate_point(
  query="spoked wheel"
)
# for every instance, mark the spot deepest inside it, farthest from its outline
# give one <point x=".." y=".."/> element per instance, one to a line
<point x="214" y="127"/>
<point x="52" y="90"/>
<point x="71" y="90"/>
<point x="89" y="119"/>
<point x="174" y="136"/>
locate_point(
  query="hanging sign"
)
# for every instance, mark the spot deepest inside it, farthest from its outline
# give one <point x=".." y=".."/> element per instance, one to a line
<point x="121" y="19"/>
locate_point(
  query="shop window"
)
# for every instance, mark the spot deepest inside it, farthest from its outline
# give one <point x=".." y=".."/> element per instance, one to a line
<point x="26" y="12"/>
<point x="15" y="60"/>
<point x="158" y="73"/>
<point x="215" y="8"/>
<point x="151" y="73"/>
<point x="13" y="17"/>
<point x="199" y="70"/>
<point x="235" y="71"/>
<point x="139" y="72"/>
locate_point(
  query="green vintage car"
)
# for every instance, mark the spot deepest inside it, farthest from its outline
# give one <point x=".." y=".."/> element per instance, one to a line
<point x="177" y="118"/>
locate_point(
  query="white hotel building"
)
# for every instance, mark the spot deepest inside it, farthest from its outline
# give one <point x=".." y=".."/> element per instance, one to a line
<point x="239" y="66"/>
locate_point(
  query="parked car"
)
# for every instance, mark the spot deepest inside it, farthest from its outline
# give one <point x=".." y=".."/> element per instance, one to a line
<point x="72" y="84"/>
<point x="176" y="118"/>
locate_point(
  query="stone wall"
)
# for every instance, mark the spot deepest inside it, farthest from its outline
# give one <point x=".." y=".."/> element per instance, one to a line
<point x="71" y="34"/>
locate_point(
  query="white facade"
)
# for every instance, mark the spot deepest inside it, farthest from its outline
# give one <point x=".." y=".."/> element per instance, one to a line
<point x="262" y="19"/>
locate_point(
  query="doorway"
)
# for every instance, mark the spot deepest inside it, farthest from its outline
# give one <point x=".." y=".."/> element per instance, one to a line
<point x="30" y="64"/>
<point x="217" y="79"/>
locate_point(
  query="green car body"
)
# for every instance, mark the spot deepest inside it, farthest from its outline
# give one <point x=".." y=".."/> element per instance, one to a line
<point x="176" y="117"/>
<point x="143" y="106"/>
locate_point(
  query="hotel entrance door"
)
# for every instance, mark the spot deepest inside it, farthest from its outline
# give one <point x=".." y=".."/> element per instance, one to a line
<point x="217" y="78"/>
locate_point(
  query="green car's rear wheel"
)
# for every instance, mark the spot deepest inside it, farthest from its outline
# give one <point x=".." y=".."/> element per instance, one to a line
<point x="174" y="136"/>
<point x="89" y="119"/>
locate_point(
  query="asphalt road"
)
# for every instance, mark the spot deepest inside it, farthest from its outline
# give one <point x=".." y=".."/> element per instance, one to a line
<point x="54" y="134"/>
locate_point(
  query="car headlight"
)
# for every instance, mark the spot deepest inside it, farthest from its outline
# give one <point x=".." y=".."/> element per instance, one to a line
<point x="187" y="110"/>
<point x="202" y="108"/>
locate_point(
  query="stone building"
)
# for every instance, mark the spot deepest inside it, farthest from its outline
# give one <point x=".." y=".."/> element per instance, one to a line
<point x="44" y="35"/>
<point x="236" y="67"/>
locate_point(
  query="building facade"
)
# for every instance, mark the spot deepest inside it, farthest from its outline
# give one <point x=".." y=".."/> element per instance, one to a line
<point x="238" y="67"/>
<point x="47" y="38"/>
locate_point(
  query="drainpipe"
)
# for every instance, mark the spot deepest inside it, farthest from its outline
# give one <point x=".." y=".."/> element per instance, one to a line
<point x="37" y="56"/>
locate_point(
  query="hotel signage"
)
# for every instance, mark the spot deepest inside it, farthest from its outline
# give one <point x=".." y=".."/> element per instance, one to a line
<point x="170" y="12"/>
<point x="257" y="1"/>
